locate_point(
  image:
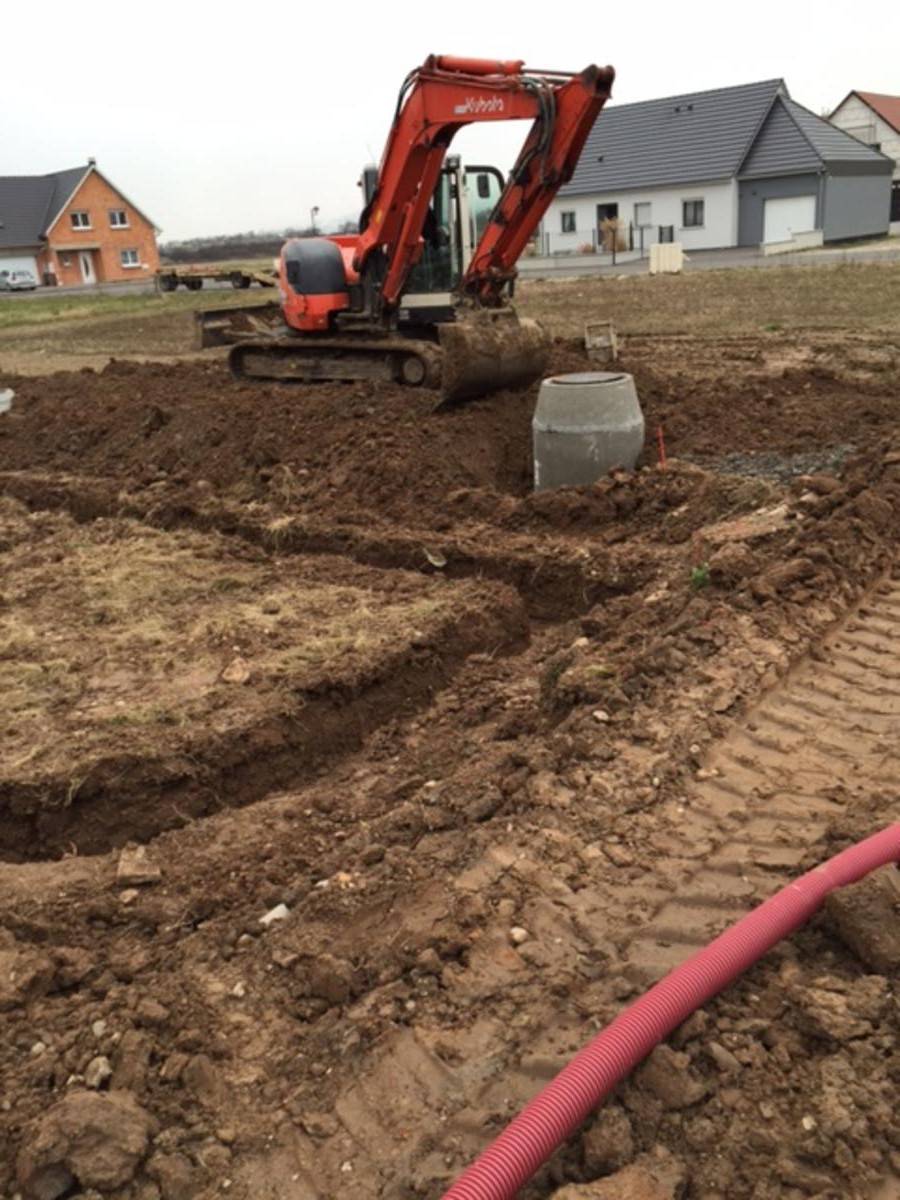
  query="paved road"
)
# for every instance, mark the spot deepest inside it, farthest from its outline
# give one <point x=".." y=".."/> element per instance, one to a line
<point x="567" y="266"/>
<point x="135" y="288"/>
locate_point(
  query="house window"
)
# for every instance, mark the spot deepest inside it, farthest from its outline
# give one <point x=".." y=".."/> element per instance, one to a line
<point x="118" y="218"/>
<point x="80" y="219"/>
<point x="692" y="213"/>
<point x="568" y="222"/>
<point x="129" y="258"/>
<point x="642" y="215"/>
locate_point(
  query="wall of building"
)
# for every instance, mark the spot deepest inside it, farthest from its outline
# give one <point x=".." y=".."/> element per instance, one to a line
<point x="856" y="206"/>
<point x="753" y="194"/>
<point x="719" y="228"/>
<point x="104" y="241"/>
<point x="854" y="116"/>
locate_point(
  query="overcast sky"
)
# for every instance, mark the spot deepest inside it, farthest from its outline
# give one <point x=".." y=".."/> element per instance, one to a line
<point x="219" y="118"/>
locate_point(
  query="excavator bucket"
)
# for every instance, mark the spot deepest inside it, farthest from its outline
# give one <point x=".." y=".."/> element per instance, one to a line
<point x="486" y="351"/>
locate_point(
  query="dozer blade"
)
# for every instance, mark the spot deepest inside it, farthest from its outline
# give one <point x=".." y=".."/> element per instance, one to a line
<point x="225" y="326"/>
<point x="487" y="351"/>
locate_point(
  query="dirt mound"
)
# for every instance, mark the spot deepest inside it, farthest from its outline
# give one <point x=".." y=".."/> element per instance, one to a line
<point x="666" y="504"/>
<point x="368" y="449"/>
<point x="790" y="412"/>
<point x="370" y="452"/>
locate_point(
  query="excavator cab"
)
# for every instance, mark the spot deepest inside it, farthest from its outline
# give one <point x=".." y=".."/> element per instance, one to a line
<point x="461" y="206"/>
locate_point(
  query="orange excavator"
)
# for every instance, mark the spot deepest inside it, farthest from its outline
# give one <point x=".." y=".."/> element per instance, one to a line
<point x="423" y="293"/>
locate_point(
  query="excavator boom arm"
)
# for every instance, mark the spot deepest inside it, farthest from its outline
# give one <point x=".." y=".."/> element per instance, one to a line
<point x="438" y="99"/>
<point x="547" y="161"/>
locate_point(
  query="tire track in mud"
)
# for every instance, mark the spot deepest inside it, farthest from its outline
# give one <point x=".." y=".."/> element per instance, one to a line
<point x="772" y="785"/>
<point x="766" y="792"/>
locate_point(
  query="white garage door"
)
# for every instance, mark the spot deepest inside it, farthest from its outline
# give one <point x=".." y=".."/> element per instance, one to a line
<point x="19" y="262"/>
<point x="784" y="218"/>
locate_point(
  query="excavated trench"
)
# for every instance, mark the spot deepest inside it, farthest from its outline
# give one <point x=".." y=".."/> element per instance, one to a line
<point x="554" y="583"/>
<point x="117" y="797"/>
<point x="557" y="573"/>
<point x="128" y="797"/>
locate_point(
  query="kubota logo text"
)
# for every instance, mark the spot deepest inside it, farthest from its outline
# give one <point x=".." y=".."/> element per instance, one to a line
<point x="475" y="105"/>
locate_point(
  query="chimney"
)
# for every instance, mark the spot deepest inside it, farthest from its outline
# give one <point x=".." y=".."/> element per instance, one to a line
<point x="92" y="162"/>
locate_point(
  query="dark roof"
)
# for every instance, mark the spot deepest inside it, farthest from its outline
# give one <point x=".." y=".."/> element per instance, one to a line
<point x="30" y="203"/>
<point x="831" y="144"/>
<point x="780" y="147"/>
<point x="887" y="107"/>
<point x="65" y="183"/>
<point x="693" y="138"/>
<point x="794" y="140"/>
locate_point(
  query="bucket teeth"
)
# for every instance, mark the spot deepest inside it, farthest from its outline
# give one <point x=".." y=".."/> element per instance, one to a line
<point x="487" y="351"/>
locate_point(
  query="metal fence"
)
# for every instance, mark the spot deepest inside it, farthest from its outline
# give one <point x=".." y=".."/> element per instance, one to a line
<point x="605" y="241"/>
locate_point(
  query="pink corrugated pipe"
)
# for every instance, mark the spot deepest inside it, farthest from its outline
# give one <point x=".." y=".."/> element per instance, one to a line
<point x="557" y="1112"/>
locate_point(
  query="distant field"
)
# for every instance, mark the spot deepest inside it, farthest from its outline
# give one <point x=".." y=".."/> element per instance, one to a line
<point x="46" y="332"/>
<point x="851" y="296"/>
<point x="56" y="306"/>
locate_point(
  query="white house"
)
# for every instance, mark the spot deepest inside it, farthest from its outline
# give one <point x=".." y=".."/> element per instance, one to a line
<point x="733" y="166"/>
<point x="874" y="119"/>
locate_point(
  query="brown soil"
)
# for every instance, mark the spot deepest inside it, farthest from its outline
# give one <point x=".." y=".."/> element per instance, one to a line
<point x="707" y="703"/>
<point x="371" y="454"/>
<point x="147" y="677"/>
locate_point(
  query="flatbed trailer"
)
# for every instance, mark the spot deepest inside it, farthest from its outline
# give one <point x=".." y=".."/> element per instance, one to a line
<point x="192" y="277"/>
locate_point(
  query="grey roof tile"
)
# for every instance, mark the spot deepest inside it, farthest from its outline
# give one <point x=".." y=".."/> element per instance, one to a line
<point x="781" y="147"/>
<point x="693" y="138"/>
<point x="28" y="203"/>
<point x="830" y="143"/>
<point x="65" y="183"/>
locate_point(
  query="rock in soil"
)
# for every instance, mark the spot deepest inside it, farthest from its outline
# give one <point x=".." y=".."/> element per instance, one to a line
<point x="866" y="917"/>
<point x="87" y="1140"/>
<point x="829" y="1010"/>
<point x="174" y="1174"/>
<point x="656" y="1176"/>
<point x="97" y="1072"/>
<point x="136" y="867"/>
<point x="665" y="1076"/>
<point x="608" y="1143"/>
<point x="24" y="974"/>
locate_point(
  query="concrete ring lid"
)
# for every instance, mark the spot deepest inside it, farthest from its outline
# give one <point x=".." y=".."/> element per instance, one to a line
<point x="588" y="378"/>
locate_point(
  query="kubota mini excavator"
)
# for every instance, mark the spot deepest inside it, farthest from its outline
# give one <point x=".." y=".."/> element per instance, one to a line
<point x="422" y="294"/>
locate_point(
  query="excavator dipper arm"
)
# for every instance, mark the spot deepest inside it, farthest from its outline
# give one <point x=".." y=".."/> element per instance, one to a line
<point x="435" y="101"/>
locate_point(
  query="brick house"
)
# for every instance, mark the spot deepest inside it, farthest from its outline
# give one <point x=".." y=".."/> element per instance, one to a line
<point x="74" y="227"/>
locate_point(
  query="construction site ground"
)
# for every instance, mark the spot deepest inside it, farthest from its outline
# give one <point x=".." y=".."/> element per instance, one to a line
<point x="348" y="787"/>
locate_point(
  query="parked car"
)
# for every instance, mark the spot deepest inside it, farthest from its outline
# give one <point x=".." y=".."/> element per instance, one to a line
<point x="17" y="281"/>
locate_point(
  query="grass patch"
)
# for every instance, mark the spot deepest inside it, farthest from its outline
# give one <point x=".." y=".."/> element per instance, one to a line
<point x="66" y="310"/>
<point x="751" y="301"/>
<point x="117" y="635"/>
<point x="737" y="301"/>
